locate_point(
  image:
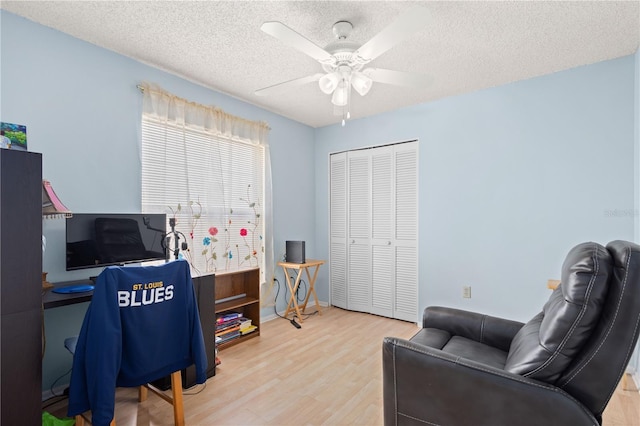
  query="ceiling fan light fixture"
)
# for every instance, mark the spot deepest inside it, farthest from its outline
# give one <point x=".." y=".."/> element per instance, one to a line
<point x="361" y="83"/>
<point x="328" y="83"/>
<point x="343" y="60"/>
<point x="340" y="95"/>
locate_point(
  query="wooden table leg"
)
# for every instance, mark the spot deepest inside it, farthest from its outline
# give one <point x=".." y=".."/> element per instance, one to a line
<point x="293" y="300"/>
<point x="288" y="280"/>
<point x="312" y="289"/>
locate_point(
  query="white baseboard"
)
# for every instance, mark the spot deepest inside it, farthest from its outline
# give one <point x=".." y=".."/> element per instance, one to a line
<point x="633" y="376"/>
<point x="281" y="313"/>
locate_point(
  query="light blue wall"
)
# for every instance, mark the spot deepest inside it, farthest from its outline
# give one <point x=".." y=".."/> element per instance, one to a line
<point x="82" y="111"/>
<point x="510" y="178"/>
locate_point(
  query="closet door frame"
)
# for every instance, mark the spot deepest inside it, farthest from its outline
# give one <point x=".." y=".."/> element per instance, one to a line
<point x="381" y="263"/>
<point x="406" y="289"/>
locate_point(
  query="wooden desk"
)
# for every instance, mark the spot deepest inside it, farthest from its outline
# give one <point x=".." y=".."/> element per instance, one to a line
<point x="292" y="305"/>
<point x="54" y="300"/>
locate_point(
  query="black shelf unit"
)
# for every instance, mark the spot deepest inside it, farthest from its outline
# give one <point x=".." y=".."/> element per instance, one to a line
<point x="21" y="287"/>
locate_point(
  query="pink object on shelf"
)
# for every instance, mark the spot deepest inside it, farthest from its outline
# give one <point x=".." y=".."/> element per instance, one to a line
<point x="51" y="204"/>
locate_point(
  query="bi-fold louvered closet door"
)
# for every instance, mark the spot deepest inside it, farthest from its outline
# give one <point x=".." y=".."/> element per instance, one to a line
<point x="374" y="230"/>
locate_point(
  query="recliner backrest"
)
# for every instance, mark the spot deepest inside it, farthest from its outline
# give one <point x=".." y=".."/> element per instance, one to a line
<point x="546" y="345"/>
<point x="594" y="374"/>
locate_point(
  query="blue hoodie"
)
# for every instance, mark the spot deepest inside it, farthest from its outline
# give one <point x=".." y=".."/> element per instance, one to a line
<point x="142" y="325"/>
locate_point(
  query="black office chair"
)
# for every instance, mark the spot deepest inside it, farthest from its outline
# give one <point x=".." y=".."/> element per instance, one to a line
<point x="560" y="368"/>
<point x="142" y="325"/>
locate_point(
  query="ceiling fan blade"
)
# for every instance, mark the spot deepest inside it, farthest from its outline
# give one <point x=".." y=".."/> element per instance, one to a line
<point x="295" y="40"/>
<point x="408" y="23"/>
<point x="398" y="78"/>
<point x="287" y="85"/>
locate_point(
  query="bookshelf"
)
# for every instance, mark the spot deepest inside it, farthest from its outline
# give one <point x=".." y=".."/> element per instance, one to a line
<point x="239" y="291"/>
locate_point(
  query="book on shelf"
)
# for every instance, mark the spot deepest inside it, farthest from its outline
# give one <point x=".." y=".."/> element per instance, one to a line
<point x="229" y="316"/>
<point x="248" y="330"/>
<point x="227" y="331"/>
<point x="241" y="322"/>
<point x="227" y="325"/>
<point x="229" y="336"/>
<point x="244" y="323"/>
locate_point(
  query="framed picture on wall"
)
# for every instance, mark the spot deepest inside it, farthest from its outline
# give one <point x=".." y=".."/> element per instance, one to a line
<point x="13" y="136"/>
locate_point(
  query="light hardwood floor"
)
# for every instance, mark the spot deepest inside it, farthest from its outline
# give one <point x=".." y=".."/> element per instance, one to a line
<point x="327" y="373"/>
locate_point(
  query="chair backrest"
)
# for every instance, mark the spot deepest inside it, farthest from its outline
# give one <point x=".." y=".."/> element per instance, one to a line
<point x="142" y="325"/>
<point x="584" y="336"/>
<point x="547" y="344"/>
<point x="594" y="374"/>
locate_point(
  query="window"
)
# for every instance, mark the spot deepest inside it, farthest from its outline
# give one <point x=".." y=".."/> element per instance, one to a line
<point x="212" y="184"/>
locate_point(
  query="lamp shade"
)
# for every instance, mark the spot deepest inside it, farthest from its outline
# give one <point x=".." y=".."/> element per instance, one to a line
<point x="329" y="82"/>
<point x="51" y="205"/>
<point x="361" y="83"/>
<point x="341" y="94"/>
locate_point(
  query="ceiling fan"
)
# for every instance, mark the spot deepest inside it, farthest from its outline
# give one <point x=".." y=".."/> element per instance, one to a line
<point x="344" y="61"/>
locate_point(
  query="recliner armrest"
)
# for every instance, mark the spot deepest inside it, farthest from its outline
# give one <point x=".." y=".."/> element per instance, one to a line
<point x="426" y="385"/>
<point x="496" y="332"/>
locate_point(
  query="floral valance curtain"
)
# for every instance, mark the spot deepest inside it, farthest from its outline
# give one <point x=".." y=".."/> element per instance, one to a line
<point x="210" y="171"/>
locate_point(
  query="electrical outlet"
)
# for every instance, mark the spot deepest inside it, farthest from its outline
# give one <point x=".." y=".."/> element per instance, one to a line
<point x="466" y="292"/>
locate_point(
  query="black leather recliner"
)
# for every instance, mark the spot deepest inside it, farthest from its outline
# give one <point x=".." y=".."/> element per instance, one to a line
<point x="560" y="368"/>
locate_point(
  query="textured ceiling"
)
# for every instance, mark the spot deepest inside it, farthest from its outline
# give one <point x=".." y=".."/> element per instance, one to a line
<point x="464" y="47"/>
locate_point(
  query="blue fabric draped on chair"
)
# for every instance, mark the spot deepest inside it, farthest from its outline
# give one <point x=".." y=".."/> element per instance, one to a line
<point x="142" y="325"/>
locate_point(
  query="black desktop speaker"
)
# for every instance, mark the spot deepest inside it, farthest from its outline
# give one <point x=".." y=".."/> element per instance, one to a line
<point x="295" y="252"/>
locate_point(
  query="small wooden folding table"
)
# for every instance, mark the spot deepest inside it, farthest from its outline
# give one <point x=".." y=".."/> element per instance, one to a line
<point x="292" y="305"/>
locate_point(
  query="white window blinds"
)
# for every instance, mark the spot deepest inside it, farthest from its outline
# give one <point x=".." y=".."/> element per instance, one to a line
<point x="213" y="184"/>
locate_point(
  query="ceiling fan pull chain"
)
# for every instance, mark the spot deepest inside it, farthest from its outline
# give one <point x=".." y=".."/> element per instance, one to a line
<point x="346" y="108"/>
<point x="349" y="101"/>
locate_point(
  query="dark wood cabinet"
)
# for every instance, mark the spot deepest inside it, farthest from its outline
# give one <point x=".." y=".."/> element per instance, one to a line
<point x="21" y="287"/>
